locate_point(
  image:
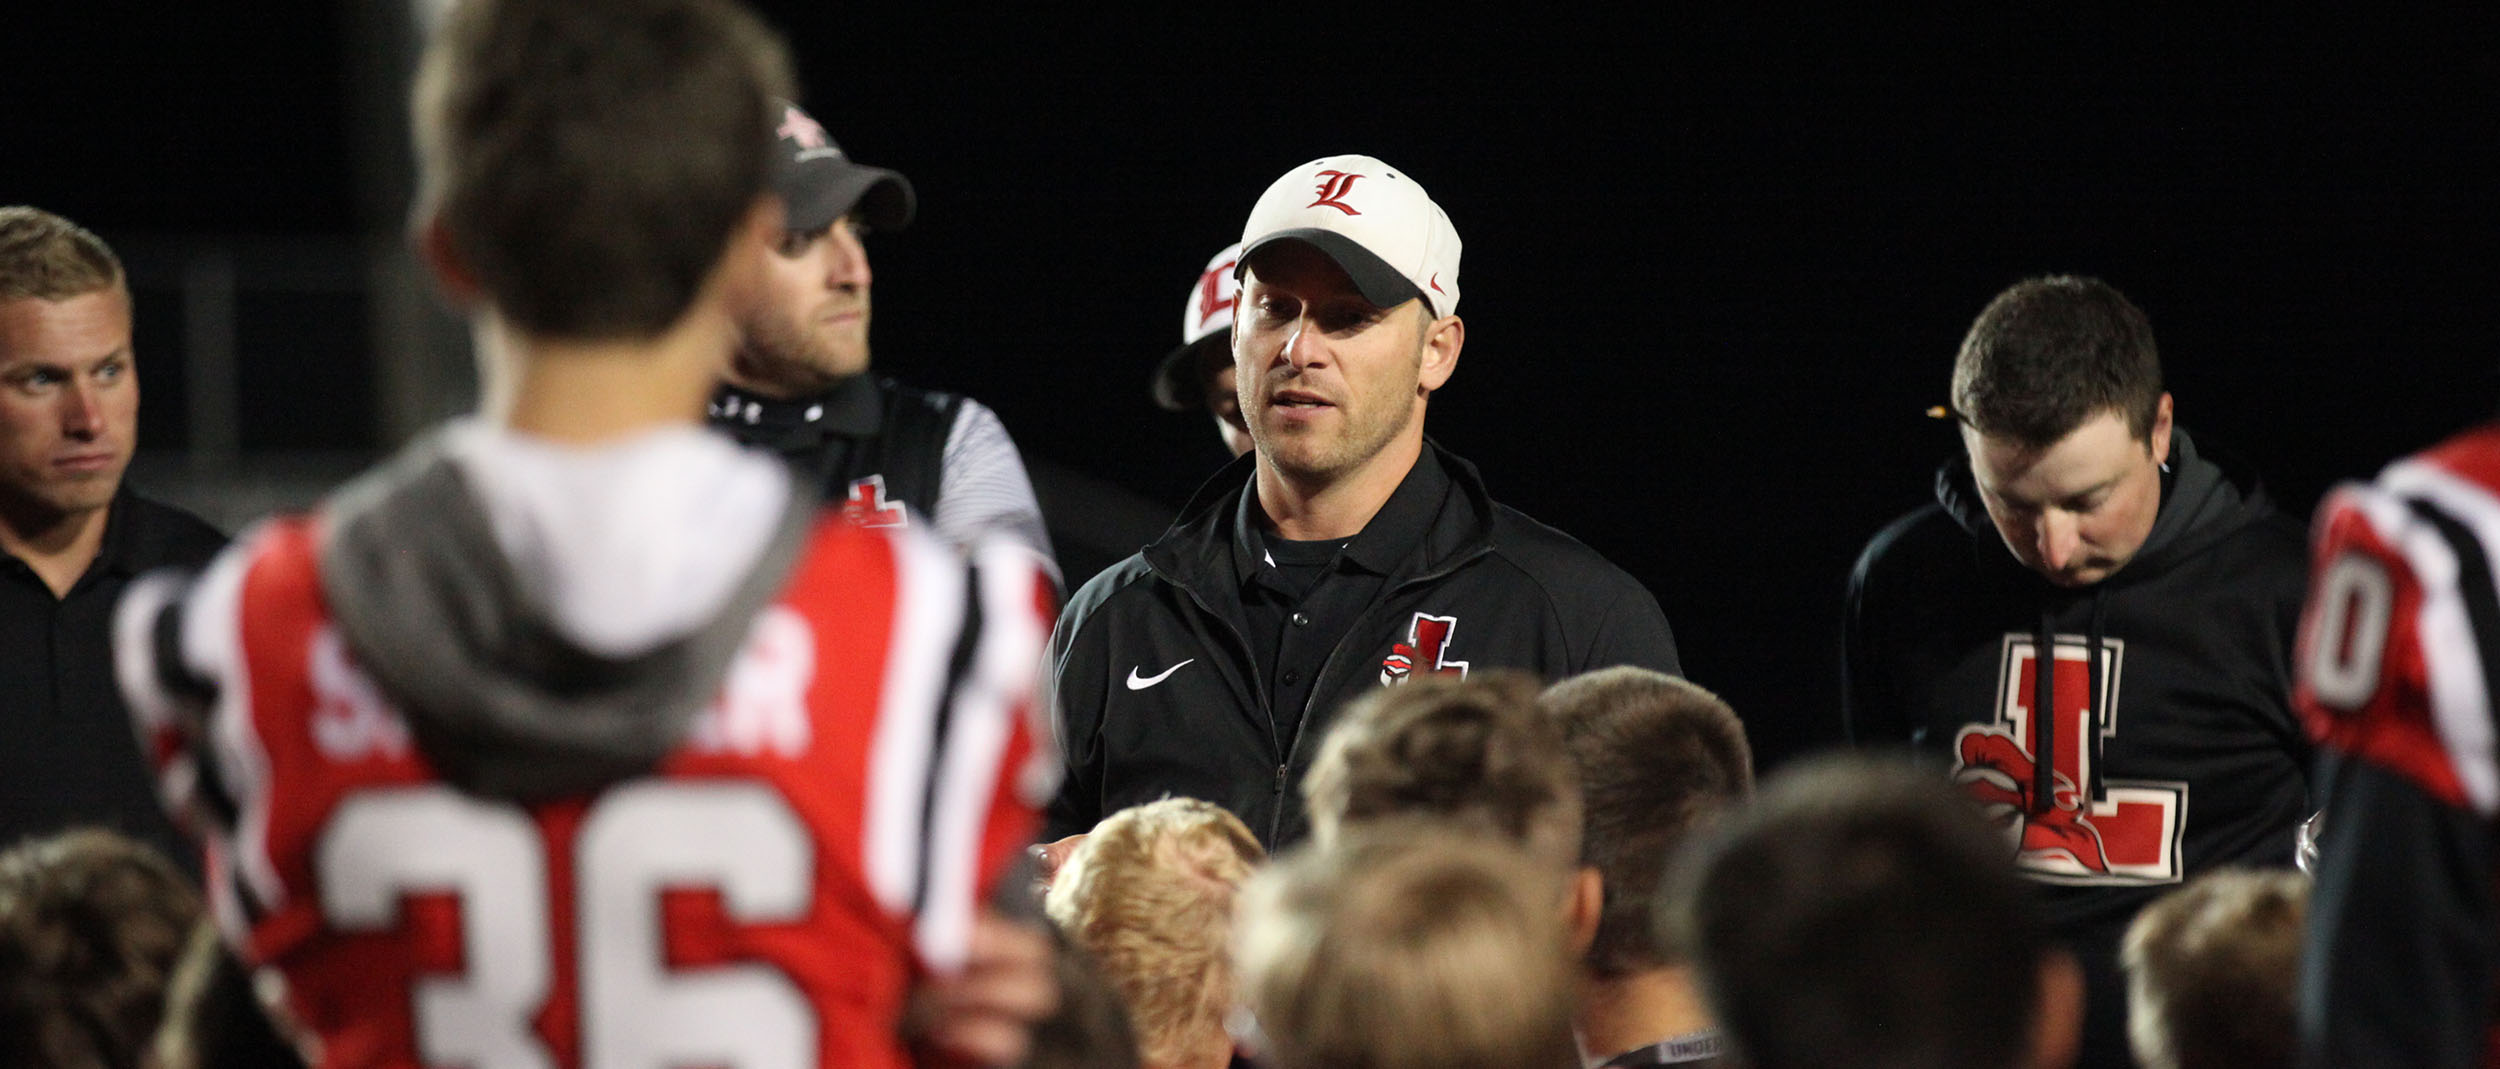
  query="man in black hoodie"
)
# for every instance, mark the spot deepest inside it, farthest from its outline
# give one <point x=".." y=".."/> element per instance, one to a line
<point x="2166" y="588"/>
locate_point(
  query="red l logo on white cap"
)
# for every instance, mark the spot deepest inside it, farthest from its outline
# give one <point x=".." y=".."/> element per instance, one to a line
<point x="1338" y="182"/>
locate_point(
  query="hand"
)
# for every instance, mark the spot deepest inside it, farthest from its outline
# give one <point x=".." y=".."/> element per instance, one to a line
<point x="984" y="1016"/>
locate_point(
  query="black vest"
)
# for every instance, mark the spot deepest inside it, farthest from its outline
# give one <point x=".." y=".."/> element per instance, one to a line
<point x="874" y="445"/>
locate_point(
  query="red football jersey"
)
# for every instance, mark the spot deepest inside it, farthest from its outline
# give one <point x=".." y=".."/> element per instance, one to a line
<point x="2399" y="650"/>
<point x="766" y="896"/>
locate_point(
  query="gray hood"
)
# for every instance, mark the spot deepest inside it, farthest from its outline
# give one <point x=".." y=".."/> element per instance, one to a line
<point x="498" y="699"/>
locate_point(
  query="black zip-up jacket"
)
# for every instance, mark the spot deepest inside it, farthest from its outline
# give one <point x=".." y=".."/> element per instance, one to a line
<point x="2173" y="748"/>
<point x="1156" y="690"/>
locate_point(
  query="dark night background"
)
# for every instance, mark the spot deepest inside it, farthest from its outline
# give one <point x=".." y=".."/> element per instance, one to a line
<point x="1717" y="261"/>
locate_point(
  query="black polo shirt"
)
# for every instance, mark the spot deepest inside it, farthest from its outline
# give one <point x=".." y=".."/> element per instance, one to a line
<point x="67" y="751"/>
<point x="1298" y="598"/>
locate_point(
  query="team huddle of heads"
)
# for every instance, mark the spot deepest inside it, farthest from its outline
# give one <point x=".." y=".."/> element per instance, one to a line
<point x="585" y="733"/>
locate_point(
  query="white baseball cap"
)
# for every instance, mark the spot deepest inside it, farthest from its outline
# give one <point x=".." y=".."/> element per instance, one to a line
<point x="1207" y="314"/>
<point x="1380" y="226"/>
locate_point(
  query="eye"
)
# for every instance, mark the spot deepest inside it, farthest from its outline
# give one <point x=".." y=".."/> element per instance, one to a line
<point x="794" y="243"/>
<point x="111" y="370"/>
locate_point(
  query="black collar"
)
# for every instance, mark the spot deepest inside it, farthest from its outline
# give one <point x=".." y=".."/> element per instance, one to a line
<point x="851" y="409"/>
<point x="1388" y="539"/>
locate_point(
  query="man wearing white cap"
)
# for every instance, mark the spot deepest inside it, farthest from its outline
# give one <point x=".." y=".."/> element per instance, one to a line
<point x="1199" y="374"/>
<point x="1347" y="552"/>
<point x="890" y="455"/>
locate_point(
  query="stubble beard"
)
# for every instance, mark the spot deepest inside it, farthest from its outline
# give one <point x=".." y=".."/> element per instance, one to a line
<point x="781" y="356"/>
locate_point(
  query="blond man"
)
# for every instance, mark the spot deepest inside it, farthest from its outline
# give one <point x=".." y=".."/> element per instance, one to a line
<point x="71" y="534"/>
<point x="1150" y="893"/>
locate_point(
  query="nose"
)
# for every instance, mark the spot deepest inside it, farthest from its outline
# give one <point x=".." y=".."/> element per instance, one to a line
<point x="1303" y="346"/>
<point x="2057" y="539"/>
<point x="82" y="412"/>
<point x="846" y="259"/>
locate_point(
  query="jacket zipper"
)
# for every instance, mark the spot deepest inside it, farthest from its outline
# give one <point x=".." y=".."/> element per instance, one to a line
<point x="1276" y="816"/>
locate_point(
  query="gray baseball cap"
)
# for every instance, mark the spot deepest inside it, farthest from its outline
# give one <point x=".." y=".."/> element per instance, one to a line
<point x="819" y="184"/>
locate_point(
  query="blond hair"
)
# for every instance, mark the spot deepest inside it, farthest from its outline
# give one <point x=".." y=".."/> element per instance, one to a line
<point x="1406" y="945"/>
<point x="1150" y="893"/>
<point x="1475" y="753"/>
<point x="2212" y="971"/>
<point x="45" y="256"/>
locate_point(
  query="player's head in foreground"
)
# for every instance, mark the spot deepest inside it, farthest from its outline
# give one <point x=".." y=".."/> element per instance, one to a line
<point x="595" y="178"/>
<point x="1199" y="374"/>
<point x="1475" y="753"/>
<point x="1346" y="322"/>
<point x="2213" y="972"/>
<point x="1405" y="945"/>
<point x="1150" y="893"/>
<point x="2059" y="391"/>
<point x="807" y="327"/>
<point x="1658" y="758"/>
<point x="1863" y="913"/>
<point x="92" y="925"/>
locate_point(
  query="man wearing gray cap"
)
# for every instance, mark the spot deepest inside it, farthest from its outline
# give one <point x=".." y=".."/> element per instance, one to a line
<point x="889" y="454"/>
<point x="1345" y="553"/>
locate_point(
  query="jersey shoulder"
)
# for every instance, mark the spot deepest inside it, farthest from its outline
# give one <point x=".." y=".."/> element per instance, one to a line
<point x="2400" y="639"/>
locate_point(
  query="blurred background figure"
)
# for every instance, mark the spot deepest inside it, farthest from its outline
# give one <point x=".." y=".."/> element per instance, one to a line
<point x="2213" y="972"/>
<point x="1406" y="945"/>
<point x="800" y="383"/>
<point x="1199" y="374"/>
<point x="1863" y="913"/>
<point x="1658" y="759"/>
<point x="1149" y="895"/>
<point x="92" y="925"/>
<point x="72" y="535"/>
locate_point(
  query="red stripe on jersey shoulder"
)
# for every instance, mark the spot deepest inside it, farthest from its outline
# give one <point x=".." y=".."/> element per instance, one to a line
<point x="2394" y="726"/>
<point x="2473" y="455"/>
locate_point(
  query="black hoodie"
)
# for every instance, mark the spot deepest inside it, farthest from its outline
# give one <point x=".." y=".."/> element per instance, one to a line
<point x="2175" y="749"/>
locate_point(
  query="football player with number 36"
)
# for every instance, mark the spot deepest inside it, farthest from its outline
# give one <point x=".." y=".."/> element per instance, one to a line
<point x="576" y="735"/>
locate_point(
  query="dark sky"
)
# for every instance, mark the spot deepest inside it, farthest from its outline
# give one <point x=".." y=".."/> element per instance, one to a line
<point x="1716" y="261"/>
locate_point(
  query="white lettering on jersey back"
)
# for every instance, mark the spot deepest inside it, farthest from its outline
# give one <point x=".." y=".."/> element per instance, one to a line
<point x="350" y="720"/>
<point x="763" y="704"/>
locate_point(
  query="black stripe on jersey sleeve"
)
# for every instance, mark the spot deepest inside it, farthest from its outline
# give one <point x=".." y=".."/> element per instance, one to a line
<point x="166" y="641"/>
<point x="2474" y="584"/>
<point x="195" y="694"/>
<point x="958" y="669"/>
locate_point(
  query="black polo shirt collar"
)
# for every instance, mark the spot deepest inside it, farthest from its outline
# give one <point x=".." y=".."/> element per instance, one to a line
<point x="1392" y="537"/>
<point x="851" y="409"/>
<point x="116" y="557"/>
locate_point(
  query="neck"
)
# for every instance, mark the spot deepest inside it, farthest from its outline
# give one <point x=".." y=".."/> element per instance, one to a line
<point x="1629" y="1012"/>
<point x="1308" y="509"/>
<point x="59" y="546"/>
<point x="583" y="392"/>
<point x="779" y="380"/>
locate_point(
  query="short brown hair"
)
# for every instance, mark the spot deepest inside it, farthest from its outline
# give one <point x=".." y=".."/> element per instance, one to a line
<point x="1406" y="944"/>
<point x="2048" y="354"/>
<point x="92" y="925"/>
<point x="588" y="159"/>
<point x="45" y="256"/>
<point x="2213" y="970"/>
<point x="1658" y="756"/>
<point x="1862" y="911"/>
<point x="1150" y="893"/>
<point x="1476" y="752"/>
